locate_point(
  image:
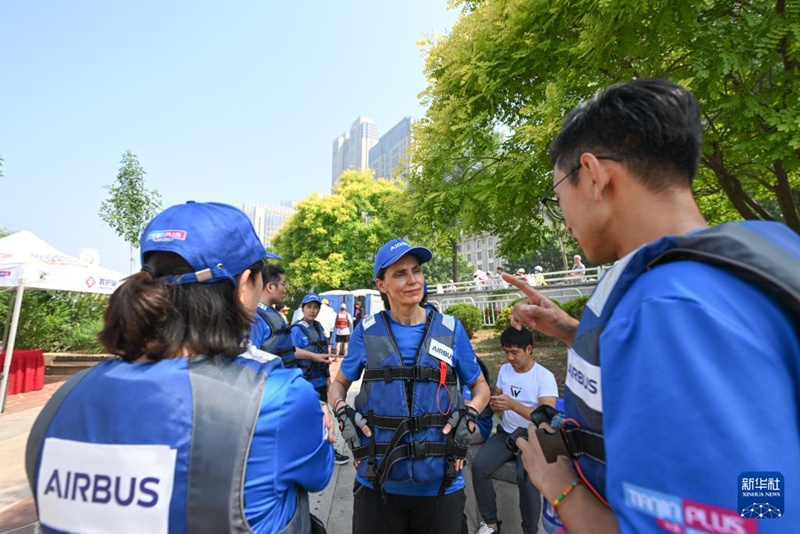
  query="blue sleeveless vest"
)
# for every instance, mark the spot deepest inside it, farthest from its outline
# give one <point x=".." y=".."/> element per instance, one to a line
<point x="315" y="372"/>
<point x="171" y="458"/>
<point x="755" y="250"/>
<point x="406" y="407"/>
<point x="279" y="342"/>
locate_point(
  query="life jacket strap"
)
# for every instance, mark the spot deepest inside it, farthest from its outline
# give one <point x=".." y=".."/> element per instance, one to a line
<point x="584" y="442"/>
<point x="415" y="372"/>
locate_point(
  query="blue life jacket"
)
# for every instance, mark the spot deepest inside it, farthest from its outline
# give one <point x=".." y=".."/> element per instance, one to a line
<point x="315" y="372"/>
<point x="406" y="407"/>
<point x="756" y="251"/>
<point x="171" y="458"/>
<point x="279" y="342"/>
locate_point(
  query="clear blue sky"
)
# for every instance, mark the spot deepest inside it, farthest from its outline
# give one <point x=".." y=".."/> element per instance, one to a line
<point x="220" y="101"/>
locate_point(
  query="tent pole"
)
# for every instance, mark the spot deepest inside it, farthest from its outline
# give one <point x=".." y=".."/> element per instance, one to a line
<point x="7" y="324"/>
<point x="12" y="338"/>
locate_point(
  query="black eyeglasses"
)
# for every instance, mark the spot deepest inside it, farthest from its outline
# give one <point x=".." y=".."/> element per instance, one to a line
<point x="551" y="203"/>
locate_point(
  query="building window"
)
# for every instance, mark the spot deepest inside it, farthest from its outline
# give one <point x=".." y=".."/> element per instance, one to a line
<point x="491" y="241"/>
<point x="469" y="258"/>
<point x="479" y="255"/>
<point x="490" y="254"/>
<point x="469" y="245"/>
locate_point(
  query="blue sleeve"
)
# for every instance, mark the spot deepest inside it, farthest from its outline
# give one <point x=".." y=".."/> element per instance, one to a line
<point x="701" y="385"/>
<point x="466" y="365"/>
<point x="356" y="359"/>
<point x="299" y="339"/>
<point x="257" y="334"/>
<point x="289" y="449"/>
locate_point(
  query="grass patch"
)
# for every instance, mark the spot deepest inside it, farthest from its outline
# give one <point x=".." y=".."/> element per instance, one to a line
<point x="550" y="353"/>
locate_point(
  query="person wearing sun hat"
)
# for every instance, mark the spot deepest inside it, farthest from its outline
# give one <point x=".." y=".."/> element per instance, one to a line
<point x="409" y="452"/>
<point x="180" y="433"/>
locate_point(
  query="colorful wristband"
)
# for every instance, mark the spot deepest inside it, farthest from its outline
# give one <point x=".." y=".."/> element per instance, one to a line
<point x="566" y="492"/>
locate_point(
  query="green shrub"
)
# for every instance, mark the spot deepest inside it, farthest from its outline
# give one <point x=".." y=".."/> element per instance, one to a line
<point x="504" y="319"/>
<point x="83" y="337"/>
<point x="469" y="315"/>
<point x="575" y="307"/>
<point x="57" y="321"/>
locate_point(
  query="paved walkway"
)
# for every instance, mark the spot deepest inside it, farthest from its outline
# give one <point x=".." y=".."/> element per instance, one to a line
<point x="333" y="505"/>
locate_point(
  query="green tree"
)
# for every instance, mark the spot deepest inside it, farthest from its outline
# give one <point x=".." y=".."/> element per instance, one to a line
<point x="330" y="242"/>
<point x="444" y="203"/>
<point x="130" y="206"/>
<point x="440" y="269"/>
<point x="517" y="66"/>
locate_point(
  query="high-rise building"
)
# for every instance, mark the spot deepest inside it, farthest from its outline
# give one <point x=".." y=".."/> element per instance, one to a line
<point x="480" y="251"/>
<point x="267" y="218"/>
<point x="389" y="155"/>
<point x="351" y="149"/>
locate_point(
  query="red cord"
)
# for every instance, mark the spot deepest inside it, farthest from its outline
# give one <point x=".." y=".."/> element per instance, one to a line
<point x="580" y="472"/>
<point x="442" y="378"/>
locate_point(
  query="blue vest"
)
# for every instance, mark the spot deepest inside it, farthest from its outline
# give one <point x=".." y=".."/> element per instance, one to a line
<point x="315" y="372"/>
<point x="755" y="251"/>
<point x="406" y="407"/>
<point x="279" y="342"/>
<point x="164" y="451"/>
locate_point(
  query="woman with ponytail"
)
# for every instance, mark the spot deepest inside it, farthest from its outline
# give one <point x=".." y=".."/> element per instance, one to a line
<point x="183" y="433"/>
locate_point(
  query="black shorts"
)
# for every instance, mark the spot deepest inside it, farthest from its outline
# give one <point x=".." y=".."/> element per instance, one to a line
<point x="343" y="339"/>
<point x="400" y="513"/>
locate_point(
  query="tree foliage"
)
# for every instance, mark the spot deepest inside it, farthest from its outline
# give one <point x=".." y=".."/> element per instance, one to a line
<point x="330" y="242"/>
<point x="130" y="206"/>
<point x="518" y="66"/>
<point x="440" y="269"/>
<point x="57" y="321"/>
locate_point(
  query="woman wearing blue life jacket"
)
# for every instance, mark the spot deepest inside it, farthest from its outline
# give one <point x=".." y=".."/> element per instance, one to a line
<point x="410" y="428"/>
<point x="180" y="433"/>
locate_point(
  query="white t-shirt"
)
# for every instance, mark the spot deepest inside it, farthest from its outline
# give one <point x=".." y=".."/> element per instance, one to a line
<point x="526" y="388"/>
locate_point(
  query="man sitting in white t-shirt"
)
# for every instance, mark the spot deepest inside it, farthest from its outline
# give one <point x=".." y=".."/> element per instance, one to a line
<point x="522" y="385"/>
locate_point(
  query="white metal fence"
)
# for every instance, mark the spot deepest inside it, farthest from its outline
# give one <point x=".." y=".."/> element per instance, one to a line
<point x="559" y="286"/>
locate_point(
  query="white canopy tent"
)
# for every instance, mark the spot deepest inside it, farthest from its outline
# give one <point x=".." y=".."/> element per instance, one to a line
<point x="28" y="262"/>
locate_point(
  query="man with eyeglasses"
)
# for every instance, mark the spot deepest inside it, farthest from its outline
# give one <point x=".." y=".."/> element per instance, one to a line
<point x="269" y="331"/>
<point x="684" y="370"/>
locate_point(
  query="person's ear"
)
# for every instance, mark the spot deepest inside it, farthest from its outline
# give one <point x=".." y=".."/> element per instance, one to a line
<point x="379" y="284"/>
<point x="529" y="350"/>
<point x="599" y="175"/>
<point x="249" y="287"/>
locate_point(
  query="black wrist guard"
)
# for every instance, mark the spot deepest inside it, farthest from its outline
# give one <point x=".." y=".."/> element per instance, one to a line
<point x="543" y="414"/>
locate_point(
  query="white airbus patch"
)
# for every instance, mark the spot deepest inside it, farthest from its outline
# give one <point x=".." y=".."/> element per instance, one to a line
<point x="91" y="487"/>
<point x="583" y="380"/>
<point x="368" y="321"/>
<point x="441" y="352"/>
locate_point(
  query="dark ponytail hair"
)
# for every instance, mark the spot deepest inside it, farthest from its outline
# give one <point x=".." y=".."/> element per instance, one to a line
<point x="384" y="297"/>
<point x="146" y="317"/>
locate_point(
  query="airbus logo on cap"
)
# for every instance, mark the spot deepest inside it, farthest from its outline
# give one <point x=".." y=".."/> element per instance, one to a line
<point x="166" y="235"/>
<point x="398" y="245"/>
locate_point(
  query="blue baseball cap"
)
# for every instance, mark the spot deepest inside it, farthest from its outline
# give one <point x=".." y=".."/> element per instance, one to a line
<point x="311" y="297"/>
<point x="217" y="240"/>
<point x="395" y="249"/>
